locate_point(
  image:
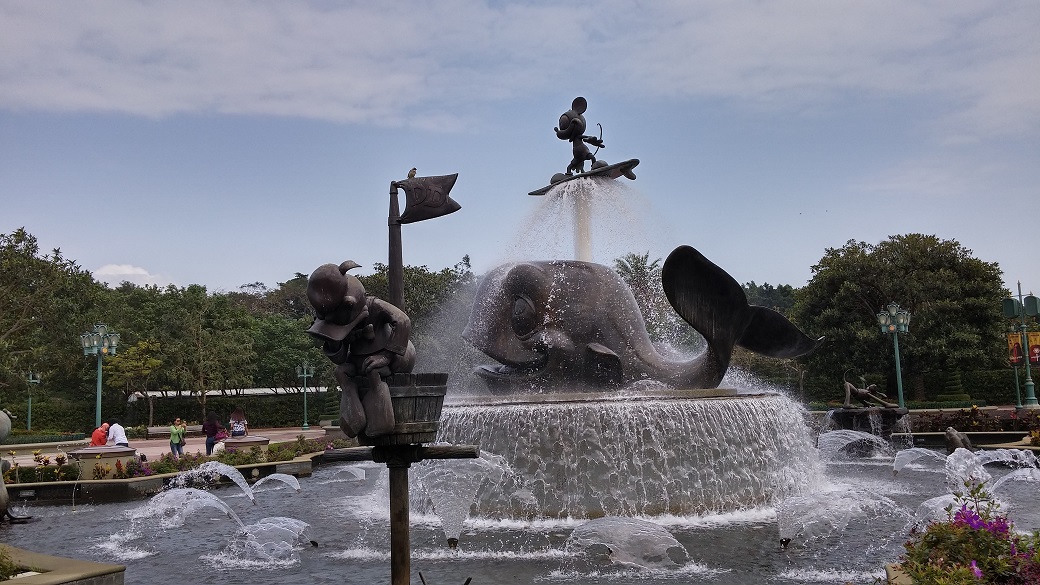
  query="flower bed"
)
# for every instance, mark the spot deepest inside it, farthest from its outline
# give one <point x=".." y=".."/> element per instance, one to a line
<point x="977" y="544"/>
<point x="60" y="470"/>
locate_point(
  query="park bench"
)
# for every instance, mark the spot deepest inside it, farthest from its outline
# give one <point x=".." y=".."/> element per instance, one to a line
<point x="164" y="432"/>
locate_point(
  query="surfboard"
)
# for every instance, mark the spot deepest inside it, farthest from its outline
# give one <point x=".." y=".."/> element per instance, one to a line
<point x="610" y="172"/>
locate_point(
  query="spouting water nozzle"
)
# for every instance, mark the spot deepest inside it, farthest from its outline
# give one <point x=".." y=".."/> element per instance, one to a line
<point x="453" y="543"/>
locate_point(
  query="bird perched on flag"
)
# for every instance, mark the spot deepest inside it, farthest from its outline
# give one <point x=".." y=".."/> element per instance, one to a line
<point x="411" y="173"/>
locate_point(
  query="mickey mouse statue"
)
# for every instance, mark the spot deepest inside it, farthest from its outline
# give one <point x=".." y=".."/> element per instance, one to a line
<point x="365" y="336"/>
<point x="572" y="128"/>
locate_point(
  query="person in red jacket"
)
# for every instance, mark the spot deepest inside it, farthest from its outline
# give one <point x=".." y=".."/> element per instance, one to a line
<point x="100" y="436"/>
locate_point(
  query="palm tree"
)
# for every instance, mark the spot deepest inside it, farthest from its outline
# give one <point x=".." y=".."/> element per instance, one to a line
<point x="644" y="278"/>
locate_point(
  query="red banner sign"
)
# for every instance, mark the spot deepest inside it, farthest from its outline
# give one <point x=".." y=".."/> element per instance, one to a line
<point x="1015" y="353"/>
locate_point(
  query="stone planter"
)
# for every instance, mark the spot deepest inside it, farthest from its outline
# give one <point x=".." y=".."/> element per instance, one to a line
<point x="247" y="442"/>
<point x="895" y="575"/>
<point x="107" y="456"/>
<point x="50" y="570"/>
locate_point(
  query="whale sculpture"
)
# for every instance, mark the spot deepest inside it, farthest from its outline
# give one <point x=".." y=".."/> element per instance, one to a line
<point x="559" y="323"/>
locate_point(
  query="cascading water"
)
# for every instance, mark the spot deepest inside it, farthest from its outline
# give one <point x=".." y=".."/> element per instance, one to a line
<point x="452" y="485"/>
<point x="606" y="218"/>
<point x="593" y="455"/>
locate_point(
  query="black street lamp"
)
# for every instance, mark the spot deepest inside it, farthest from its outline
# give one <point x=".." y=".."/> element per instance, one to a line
<point x="304" y="371"/>
<point x="99" y="342"/>
<point x="895" y="320"/>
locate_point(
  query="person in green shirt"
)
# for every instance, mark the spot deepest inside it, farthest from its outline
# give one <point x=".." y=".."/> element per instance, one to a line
<point x="177" y="431"/>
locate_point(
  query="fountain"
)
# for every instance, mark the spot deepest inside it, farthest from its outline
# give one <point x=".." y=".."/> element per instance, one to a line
<point x="604" y="458"/>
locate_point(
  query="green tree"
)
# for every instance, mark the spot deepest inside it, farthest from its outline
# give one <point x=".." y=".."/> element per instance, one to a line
<point x="644" y="278"/>
<point x="132" y="367"/>
<point x="953" y="297"/>
<point x="425" y="291"/>
<point x="47" y="300"/>
<point x="206" y="343"/>
<point x="779" y="298"/>
<point x="281" y="344"/>
<point x="288" y="300"/>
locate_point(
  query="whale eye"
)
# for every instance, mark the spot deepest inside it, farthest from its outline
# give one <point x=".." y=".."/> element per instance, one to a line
<point x="525" y="319"/>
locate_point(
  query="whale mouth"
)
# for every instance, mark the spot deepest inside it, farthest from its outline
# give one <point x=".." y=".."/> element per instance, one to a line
<point x="502" y="372"/>
<point x="508" y="373"/>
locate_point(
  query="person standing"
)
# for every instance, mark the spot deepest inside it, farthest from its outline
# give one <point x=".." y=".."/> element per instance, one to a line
<point x="239" y="425"/>
<point x="211" y="427"/>
<point x="116" y="434"/>
<point x="100" y="436"/>
<point x="177" y="432"/>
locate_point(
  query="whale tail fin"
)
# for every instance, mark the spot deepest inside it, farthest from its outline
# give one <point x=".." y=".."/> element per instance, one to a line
<point x="714" y="304"/>
<point x="771" y="334"/>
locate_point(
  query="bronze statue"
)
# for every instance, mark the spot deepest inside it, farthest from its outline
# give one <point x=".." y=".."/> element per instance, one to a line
<point x="572" y="128"/>
<point x="5" y="499"/>
<point x="868" y="396"/>
<point x="957" y="440"/>
<point x="556" y="323"/>
<point x="364" y="336"/>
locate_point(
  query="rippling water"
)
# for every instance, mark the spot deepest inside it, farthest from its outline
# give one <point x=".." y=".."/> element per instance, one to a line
<point x="843" y="531"/>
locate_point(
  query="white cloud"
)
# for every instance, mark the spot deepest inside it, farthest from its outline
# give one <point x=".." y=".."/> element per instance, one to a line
<point x="398" y="63"/>
<point x="116" y="274"/>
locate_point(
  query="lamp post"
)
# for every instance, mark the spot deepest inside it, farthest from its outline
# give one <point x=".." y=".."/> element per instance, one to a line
<point x="31" y="378"/>
<point x="99" y="342"/>
<point x="895" y="320"/>
<point x="1021" y="308"/>
<point x="304" y="371"/>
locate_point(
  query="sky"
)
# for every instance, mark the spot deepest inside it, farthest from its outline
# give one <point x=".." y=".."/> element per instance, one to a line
<point x="227" y="143"/>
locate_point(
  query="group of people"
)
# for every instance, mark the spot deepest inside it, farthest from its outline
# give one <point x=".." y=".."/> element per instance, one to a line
<point x="216" y="432"/>
<point x="112" y="433"/>
<point x="109" y="433"/>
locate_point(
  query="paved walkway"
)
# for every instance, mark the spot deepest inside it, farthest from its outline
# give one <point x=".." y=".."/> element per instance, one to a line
<point x="154" y="448"/>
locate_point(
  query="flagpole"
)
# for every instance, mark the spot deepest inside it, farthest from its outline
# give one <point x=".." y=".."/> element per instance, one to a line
<point x="396" y="261"/>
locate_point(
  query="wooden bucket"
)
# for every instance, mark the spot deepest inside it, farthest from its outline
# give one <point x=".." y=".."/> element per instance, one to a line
<point x="417" y="400"/>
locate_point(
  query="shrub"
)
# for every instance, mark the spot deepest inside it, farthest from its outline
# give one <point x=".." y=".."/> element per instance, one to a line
<point x="236" y="457"/>
<point x="975" y="545"/>
<point x="167" y="464"/>
<point x="8" y="568"/>
<point x="39" y="473"/>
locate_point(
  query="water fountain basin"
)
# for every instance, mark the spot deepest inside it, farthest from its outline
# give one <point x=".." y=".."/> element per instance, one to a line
<point x="589" y="455"/>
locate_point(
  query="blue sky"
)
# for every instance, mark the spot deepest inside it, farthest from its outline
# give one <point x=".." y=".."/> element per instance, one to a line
<point x="224" y="143"/>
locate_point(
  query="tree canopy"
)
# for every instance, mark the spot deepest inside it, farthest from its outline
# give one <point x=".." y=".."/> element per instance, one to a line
<point x="175" y="340"/>
<point x="954" y="300"/>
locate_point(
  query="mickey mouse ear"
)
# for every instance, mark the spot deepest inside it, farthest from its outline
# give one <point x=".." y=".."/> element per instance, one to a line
<point x="579" y="105"/>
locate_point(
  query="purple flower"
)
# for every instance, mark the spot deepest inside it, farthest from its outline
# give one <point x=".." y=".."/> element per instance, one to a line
<point x="967" y="516"/>
<point x="998" y="526"/>
<point x="976" y="570"/>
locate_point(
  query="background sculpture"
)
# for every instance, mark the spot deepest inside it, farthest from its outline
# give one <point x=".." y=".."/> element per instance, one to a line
<point x="364" y="336"/>
<point x="867" y="396"/>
